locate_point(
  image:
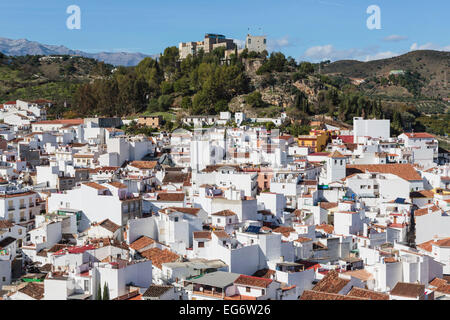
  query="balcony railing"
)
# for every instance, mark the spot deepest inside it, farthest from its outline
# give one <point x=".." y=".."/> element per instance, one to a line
<point x="11" y="208"/>
<point x="209" y="293"/>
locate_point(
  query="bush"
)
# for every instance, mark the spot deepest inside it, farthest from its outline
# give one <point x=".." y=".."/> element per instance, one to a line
<point x="254" y="100"/>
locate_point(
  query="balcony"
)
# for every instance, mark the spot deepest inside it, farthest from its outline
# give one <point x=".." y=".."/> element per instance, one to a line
<point x="23" y="206"/>
<point x="209" y="293"/>
<point x="11" y="208"/>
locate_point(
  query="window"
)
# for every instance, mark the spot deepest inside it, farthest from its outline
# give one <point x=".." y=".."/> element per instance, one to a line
<point x="249" y="41"/>
<point x="20" y="231"/>
<point x="86" y="285"/>
<point x="176" y="219"/>
<point x="4" y="279"/>
<point x="218" y="220"/>
<point x="247" y="289"/>
<point x="201" y="244"/>
<point x="263" y="292"/>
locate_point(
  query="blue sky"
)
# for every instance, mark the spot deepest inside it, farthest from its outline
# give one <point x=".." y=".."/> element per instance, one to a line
<point x="310" y="30"/>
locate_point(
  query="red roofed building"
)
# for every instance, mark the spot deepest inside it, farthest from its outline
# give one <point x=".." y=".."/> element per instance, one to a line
<point x="254" y="288"/>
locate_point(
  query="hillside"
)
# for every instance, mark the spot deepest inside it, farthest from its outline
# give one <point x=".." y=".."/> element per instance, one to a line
<point x="433" y="67"/>
<point x="56" y="78"/>
<point x="258" y="84"/>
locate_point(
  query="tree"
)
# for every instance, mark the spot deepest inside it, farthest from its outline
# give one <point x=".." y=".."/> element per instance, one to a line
<point x="105" y="292"/>
<point x="99" y="292"/>
<point x="254" y="100"/>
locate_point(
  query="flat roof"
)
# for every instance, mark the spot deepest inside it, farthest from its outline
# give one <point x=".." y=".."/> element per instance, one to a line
<point x="219" y="279"/>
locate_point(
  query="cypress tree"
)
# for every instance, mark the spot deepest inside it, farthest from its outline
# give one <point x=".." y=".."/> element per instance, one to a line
<point x="105" y="292"/>
<point x="99" y="292"/>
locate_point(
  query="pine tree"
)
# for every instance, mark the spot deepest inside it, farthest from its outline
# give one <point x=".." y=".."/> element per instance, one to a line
<point x="105" y="292"/>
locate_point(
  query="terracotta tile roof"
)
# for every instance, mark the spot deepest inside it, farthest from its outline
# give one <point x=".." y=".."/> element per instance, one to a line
<point x="285" y="231"/>
<point x="57" y="247"/>
<point x="445" y="289"/>
<point x="390" y="260"/>
<point x="442" y="242"/>
<point x="170" y="196"/>
<point x="303" y="239"/>
<point x="419" y="135"/>
<point x="325" y="227"/>
<point x="158" y="256"/>
<point x="175" y="177"/>
<point x="109" y="225"/>
<point x="96" y="170"/>
<point x="264" y="273"/>
<point x="409" y="290"/>
<point x="403" y="170"/>
<point x="144" y="164"/>
<point x="34" y="290"/>
<point x="191" y="211"/>
<point x="316" y="295"/>
<point x="202" y="235"/>
<point x="221" y="234"/>
<point x="62" y="121"/>
<point x="331" y="283"/>
<point x="253" y="281"/>
<point x="421" y="194"/>
<point x="77" y="155"/>
<point x="368" y="294"/>
<point x="141" y="242"/>
<point x="118" y="185"/>
<point x="336" y="154"/>
<point x="360" y="274"/>
<point x="14" y="195"/>
<point x="5" y="224"/>
<point x="134" y="295"/>
<point x="212" y="168"/>
<point x="438" y="282"/>
<point x="155" y="291"/>
<point x="328" y="205"/>
<point x="224" y="213"/>
<point x="95" y="185"/>
<point x="424" y="211"/>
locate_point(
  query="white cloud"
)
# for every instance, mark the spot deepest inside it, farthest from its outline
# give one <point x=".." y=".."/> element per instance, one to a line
<point x="394" y="38"/>
<point x="277" y="44"/>
<point x="329" y="52"/>
<point x="428" y="46"/>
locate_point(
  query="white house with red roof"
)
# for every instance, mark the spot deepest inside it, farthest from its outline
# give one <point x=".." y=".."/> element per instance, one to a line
<point x="424" y="146"/>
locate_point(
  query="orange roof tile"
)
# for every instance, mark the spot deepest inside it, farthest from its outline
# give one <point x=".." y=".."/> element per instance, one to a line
<point x="403" y="170"/>
<point x="159" y="256"/>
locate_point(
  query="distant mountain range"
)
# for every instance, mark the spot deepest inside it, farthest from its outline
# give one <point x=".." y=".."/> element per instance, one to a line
<point x="23" y="47"/>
